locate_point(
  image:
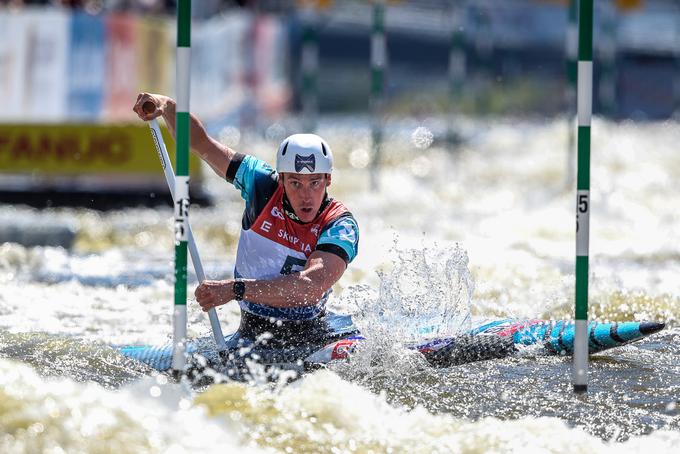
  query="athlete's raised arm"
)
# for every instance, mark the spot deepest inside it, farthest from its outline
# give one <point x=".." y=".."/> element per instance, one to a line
<point x="217" y="155"/>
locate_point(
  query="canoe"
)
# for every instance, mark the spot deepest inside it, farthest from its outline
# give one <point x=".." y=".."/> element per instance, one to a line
<point x="487" y="339"/>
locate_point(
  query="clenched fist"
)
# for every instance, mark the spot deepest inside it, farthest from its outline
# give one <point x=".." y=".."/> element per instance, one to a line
<point x="210" y="294"/>
<point x="149" y="106"/>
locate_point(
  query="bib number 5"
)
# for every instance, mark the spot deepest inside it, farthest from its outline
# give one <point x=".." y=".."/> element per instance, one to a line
<point x="290" y="263"/>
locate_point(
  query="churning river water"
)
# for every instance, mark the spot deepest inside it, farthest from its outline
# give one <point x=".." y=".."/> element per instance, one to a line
<point x="486" y="231"/>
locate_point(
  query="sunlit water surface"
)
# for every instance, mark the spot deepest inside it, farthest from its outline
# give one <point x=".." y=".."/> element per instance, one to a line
<point x="486" y="231"/>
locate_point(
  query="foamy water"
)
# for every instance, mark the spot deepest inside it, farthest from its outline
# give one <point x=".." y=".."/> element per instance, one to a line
<point x="488" y="230"/>
<point x="320" y="413"/>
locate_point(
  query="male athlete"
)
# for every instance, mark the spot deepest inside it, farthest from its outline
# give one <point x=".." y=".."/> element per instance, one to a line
<point x="296" y="241"/>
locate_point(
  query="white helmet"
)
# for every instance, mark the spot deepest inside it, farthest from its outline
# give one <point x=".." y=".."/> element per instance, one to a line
<point x="304" y="153"/>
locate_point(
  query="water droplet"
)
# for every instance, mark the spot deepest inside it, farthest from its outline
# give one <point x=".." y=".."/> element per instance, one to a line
<point x="276" y="132"/>
<point x="422" y="137"/>
<point x="184" y="404"/>
<point x="230" y="136"/>
<point x="359" y="158"/>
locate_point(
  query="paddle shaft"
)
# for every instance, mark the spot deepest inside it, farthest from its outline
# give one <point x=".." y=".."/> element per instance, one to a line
<point x="193" y="250"/>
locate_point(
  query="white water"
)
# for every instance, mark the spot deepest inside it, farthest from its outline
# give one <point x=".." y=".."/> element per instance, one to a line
<point x="502" y="225"/>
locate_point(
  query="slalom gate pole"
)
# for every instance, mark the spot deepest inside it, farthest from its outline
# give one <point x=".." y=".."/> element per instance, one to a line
<point x="572" y="55"/>
<point x="310" y="68"/>
<point x="378" y="63"/>
<point x="607" y="46"/>
<point x="456" y="64"/>
<point x="181" y="184"/>
<point x="193" y="250"/>
<point x="584" y="105"/>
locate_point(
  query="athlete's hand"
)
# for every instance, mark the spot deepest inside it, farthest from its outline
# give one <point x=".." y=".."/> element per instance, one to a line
<point x="149" y="106"/>
<point x="211" y="294"/>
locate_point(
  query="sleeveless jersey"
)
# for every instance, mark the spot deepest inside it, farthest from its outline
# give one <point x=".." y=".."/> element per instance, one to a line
<point x="272" y="244"/>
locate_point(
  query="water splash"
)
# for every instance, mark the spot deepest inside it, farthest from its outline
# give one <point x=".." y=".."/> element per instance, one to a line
<point x="422" y="137"/>
<point x="425" y="293"/>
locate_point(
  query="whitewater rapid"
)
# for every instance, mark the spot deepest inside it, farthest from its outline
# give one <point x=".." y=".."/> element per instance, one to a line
<point x="488" y="228"/>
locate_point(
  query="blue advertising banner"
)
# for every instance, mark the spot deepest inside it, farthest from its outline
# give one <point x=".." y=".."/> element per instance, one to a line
<point x="86" y="67"/>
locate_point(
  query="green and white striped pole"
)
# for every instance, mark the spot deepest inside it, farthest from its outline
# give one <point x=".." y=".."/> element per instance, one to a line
<point x="676" y="79"/>
<point x="676" y="59"/>
<point x="456" y="65"/>
<point x="181" y="185"/>
<point x="572" y="55"/>
<point x="310" y="68"/>
<point x="607" y="47"/>
<point x="378" y="64"/>
<point x="484" y="48"/>
<point x="584" y="106"/>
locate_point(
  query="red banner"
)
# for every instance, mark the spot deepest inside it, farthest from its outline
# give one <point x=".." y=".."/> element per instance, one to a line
<point x="121" y="67"/>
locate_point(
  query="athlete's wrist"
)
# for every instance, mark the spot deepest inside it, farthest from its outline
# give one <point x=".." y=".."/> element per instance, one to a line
<point x="239" y="289"/>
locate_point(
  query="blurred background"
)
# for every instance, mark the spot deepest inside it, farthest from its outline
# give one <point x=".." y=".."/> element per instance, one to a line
<point x="453" y="132"/>
<point x="70" y="71"/>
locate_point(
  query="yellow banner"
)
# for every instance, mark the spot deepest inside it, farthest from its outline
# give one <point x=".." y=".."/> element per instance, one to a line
<point x="82" y="149"/>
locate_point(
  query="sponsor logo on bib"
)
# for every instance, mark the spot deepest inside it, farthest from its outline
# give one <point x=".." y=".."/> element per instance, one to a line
<point x="277" y="213"/>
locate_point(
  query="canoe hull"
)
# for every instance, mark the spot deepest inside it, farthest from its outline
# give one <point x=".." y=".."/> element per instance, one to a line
<point x="487" y="339"/>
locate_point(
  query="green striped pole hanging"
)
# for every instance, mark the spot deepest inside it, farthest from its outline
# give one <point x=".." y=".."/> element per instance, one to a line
<point x="572" y="55"/>
<point x="181" y="184"/>
<point x="378" y="63"/>
<point x="607" y="47"/>
<point x="484" y="48"/>
<point x="310" y="67"/>
<point x="676" y="79"/>
<point x="584" y="106"/>
<point x="456" y="65"/>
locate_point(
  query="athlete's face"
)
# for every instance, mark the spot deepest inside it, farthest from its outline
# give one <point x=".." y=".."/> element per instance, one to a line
<point x="306" y="193"/>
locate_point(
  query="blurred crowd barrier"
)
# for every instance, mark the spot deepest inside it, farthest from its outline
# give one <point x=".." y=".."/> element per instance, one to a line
<point x="70" y="66"/>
